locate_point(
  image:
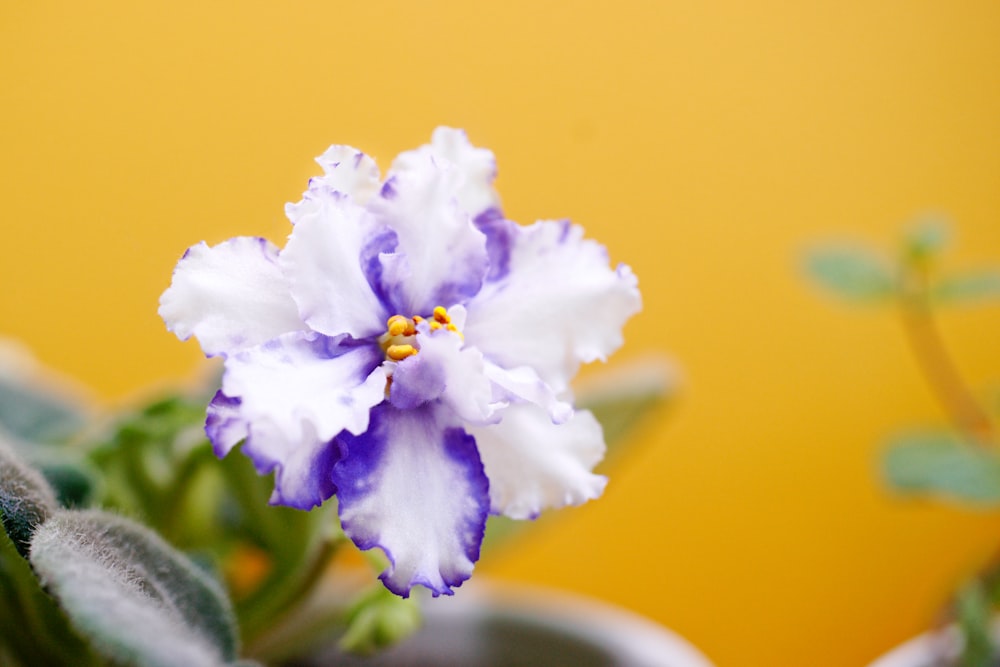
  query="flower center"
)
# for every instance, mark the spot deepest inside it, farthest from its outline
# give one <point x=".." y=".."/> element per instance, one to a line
<point x="400" y="338"/>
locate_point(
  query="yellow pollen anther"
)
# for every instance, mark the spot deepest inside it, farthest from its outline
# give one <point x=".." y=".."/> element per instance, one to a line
<point x="417" y="319"/>
<point x="400" y="326"/>
<point x="400" y="352"/>
<point x="441" y="315"/>
<point x="435" y="325"/>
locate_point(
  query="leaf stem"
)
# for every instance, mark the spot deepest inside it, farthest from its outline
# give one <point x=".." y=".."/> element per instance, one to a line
<point x="938" y="367"/>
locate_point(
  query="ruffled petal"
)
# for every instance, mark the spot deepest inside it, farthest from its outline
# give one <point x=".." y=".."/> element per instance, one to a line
<point x="229" y="296"/>
<point x="534" y="464"/>
<point x="303" y="467"/>
<point x="559" y="304"/>
<point x="323" y="262"/>
<point x="224" y="425"/>
<point x="476" y="168"/>
<point x="500" y="235"/>
<point x="446" y="369"/>
<point x="347" y="171"/>
<point x="523" y="384"/>
<point x="440" y="257"/>
<point x="306" y="379"/>
<point x="413" y="485"/>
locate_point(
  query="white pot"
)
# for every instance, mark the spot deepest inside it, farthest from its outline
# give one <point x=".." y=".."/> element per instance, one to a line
<point x="938" y="648"/>
<point x="504" y="625"/>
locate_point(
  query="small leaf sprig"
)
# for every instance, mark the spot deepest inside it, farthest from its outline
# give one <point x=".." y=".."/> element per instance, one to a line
<point x="961" y="461"/>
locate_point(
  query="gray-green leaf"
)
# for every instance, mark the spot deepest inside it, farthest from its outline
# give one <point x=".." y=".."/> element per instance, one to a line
<point x="137" y="599"/>
<point x="26" y="499"/>
<point x="851" y="273"/>
<point x="970" y="286"/>
<point x="942" y="464"/>
<point x="36" y="415"/>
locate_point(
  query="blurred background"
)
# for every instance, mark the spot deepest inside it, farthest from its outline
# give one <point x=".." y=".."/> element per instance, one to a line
<point x="709" y="145"/>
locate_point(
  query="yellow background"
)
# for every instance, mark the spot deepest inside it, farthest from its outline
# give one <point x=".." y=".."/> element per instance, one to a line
<point x="707" y="144"/>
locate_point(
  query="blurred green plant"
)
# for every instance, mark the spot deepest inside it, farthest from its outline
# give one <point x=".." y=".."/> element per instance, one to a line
<point x="960" y="461"/>
<point x="126" y="541"/>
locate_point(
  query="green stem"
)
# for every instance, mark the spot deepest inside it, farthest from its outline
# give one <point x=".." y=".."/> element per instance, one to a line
<point x="290" y="603"/>
<point x="172" y="503"/>
<point x="938" y="367"/>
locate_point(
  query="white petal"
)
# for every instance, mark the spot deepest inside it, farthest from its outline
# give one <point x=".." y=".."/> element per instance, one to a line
<point x="446" y="369"/>
<point x="306" y="378"/>
<point x="229" y="296"/>
<point x="440" y="257"/>
<point x="349" y="171"/>
<point x="558" y="303"/>
<point x="475" y="167"/>
<point x="302" y="467"/>
<point x="414" y="487"/>
<point x="523" y="383"/>
<point x="533" y="464"/>
<point x="323" y="262"/>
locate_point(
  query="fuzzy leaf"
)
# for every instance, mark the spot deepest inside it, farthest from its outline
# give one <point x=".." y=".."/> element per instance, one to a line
<point x="44" y="635"/>
<point x="942" y="464"/>
<point x="970" y="286"/>
<point x="851" y="273"/>
<point x="26" y="499"/>
<point x="137" y="599"/>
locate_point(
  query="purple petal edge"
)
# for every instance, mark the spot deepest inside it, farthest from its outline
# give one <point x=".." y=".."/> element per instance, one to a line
<point x="224" y="426"/>
<point x="500" y="234"/>
<point x="316" y="488"/>
<point x="362" y="454"/>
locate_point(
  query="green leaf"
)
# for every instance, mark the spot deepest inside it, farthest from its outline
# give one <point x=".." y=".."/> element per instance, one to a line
<point x="73" y="480"/>
<point x="44" y="635"/>
<point x="851" y="273"/>
<point x="926" y="239"/>
<point x="622" y="410"/>
<point x="964" y="287"/>
<point x="38" y="416"/>
<point x="942" y="464"/>
<point x="26" y="499"/>
<point x="974" y="612"/>
<point x="137" y="599"/>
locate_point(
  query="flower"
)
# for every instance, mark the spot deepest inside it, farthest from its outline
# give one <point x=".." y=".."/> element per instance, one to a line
<point x="409" y="350"/>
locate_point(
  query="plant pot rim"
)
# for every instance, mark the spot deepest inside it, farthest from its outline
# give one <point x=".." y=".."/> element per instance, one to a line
<point x="640" y="641"/>
<point x="927" y="649"/>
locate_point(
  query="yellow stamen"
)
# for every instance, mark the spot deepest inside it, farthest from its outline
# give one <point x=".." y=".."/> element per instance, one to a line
<point x="397" y="327"/>
<point x="452" y="327"/>
<point x="417" y="319"/>
<point x="435" y="325"/>
<point x="441" y="315"/>
<point x="400" y="352"/>
<point x="400" y="326"/>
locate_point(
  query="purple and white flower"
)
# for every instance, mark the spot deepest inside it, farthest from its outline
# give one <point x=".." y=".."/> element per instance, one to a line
<point x="409" y="350"/>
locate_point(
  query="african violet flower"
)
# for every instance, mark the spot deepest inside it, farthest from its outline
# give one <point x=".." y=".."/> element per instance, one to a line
<point x="410" y="351"/>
